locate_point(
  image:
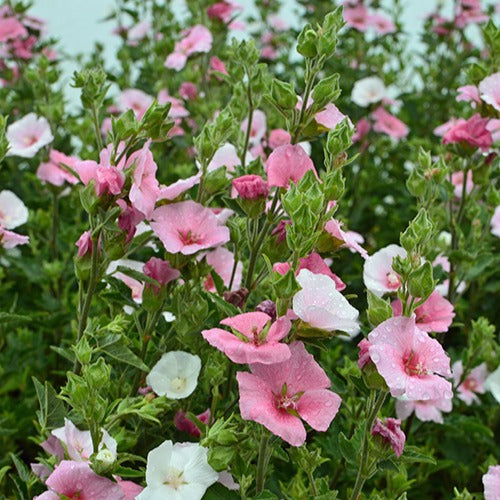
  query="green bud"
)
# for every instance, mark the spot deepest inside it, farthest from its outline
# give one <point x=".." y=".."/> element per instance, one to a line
<point x="418" y="232"/>
<point x="378" y="309"/>
<point x="283" y="94"/>
<point x="97" y="374"/>
<point x="333" y="184"/>
<point x="103" y="462"/>
<point x="326" y="90"/>
<point x="306" y="43"/>
<point x="421" y="282"/>
<point x="416" y="184"/>
<point x="83" y="351"/>
<point x="339" y="139"/>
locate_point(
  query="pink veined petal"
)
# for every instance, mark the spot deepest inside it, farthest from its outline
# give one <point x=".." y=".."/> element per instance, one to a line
<point x="257" y="402"/>
<point x="279" y="329"/>
<point x="397" y="332"/>
<point x="247" y="323"/>
<point x="318" y="408"/>
<point x="389" y="364"/>
<point x="431" y="353"/>
<point x="425" y="387"/>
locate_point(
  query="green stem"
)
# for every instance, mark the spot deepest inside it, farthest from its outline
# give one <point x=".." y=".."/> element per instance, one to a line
<point x="262" y="462"/>
<point x="249" y="124"/>
<point x="97" y="130"/>
<point x="373" y="408"/>
<point x="309" y="77"/>
<point x="55" y="224"/>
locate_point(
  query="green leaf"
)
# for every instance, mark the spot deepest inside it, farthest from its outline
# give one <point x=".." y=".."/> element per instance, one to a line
<point x="52" y="409"/>
<point x="378" y="309"/>
<point x="122" y="353"/>
<point x="13" y="319"/>
<point x="415" y="454"/>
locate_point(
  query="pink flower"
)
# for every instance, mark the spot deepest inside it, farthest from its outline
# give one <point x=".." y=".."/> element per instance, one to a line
<point x="161" y="271"/>
<point x="174" y="190"/>
<point x="177" y="109"/>
<point x="188" y="227"/>
<point x="188" y="91"/>
<point x="391" y="433"/>
<point x="196" y="39"/>
<point x="473" y="132"/>
<point x="426" y="411"/>
<point x="278" y="137"/>
<point x="9" y="239"/>
<point x="217" y="65"/>
<point x="357" y="17"/>
<point x="252" y="340"/>
<point x="457" y="179"/>
<point x="362" y="128"/>
<point x="446" y="127"/>
<point x="52" y="171"/>
<point x="145" y="188"/>
<point x="222" y="262"/>
<point x="389" y="124"/>
<point x="223" y="11"/>
<point x="225" y="156"/>
<point x="378" y="275"/>
<point x="258" y="128"/>
<point x="314" y="263"/>
<point x="28" y="135"/>
<point x="434" y="315"/>
<point x="128" y="219"/>
<point x="468" y="93"/>
<point x="278" y="395"/>
<point x="469" y="11"/>
<point x="473" y="383"/>
<point x="409" y="360"/>
<point x="136" y="287"/>
<point x="491" y="483"/>
<point x="348" y="238"/>
<point x="138" y="32"/>
<point x="129" y="489"/>
<point x="84" y="244"/>
<point x="286" y="164"/>
<point x="136" y="100"/>
<point x="495" y="222"/>
<point x="329" y="117"/>
<point x="182" y="423"/>
<point x="251" y="187"/>
<point x="11" y="28"/>
<point x="494" y="127"/>
<point x="53" y="446"/>
<point x="382" y="25"/>
<point x="489" y="90"/>
<point x="78" y="480"/>
<point x="364" y="353"/>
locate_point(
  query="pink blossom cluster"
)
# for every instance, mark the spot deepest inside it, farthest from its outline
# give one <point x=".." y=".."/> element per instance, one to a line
<point x="357" y="16"/>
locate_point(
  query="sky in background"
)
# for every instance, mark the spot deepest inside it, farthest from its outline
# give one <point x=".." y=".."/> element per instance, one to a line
<point x="77" y="24"/>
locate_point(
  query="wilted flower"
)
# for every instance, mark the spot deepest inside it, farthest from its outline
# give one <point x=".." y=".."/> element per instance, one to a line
<point x="350" y="239"/>
<point x="390" y="431"/>
<point x="175" y="375"/>
<point x="251" y="187"/>
<point x="161" y="271"/>
<point x="28" y="135"/>
<point x="182" y="423"/>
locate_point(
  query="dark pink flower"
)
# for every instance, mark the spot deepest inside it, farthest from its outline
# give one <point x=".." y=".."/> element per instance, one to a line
<point x="391" y="432"/>
<point x="188" y="227"/>
<point x="223" y="11"/>
<point x="188" y="91"/>
<point x="279" y="395"/>
<point x="473" y="132"/>
<point x="286" y="164"/>
<point x="84" y="244"/>
<point x="364" y="353"/>
<point x="161" y="271"/>
<point x="251" y="187"/>
<point x="253" y="339"/>
<point x="182" y="423"/>
<point x="434" y="315"/>
<point x="362" y="128"/>
<point x="388" y="124"/>
<point x="11" y="28"/>
<point x="128" y="219"/>
<point x="411" y="362"/>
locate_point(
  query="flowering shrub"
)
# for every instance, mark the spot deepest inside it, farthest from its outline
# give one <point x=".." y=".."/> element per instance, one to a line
<point x="263" y="268"/>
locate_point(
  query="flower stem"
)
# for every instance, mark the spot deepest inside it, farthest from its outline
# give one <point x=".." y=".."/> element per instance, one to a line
<point x="374" y="406"/>
<point x="249" y="124"/>
<point x="262" y="462"/>
<point x="97" y="130"/>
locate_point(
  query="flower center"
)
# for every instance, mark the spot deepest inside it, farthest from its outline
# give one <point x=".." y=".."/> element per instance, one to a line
<point x="174" y="478"/>
<point x="188" y="238"/>
<point x="30" y="140"/>
<point x="286" y="402"/>
<point x="179" y="383"/>
<point x="393" y="280"/>
<point x="470" y="384"/>
<point x="413" y="366"/>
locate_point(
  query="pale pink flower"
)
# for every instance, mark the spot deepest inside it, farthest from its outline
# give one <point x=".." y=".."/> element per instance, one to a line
<point x="225" y="156"/>
<point x="473" y="383"/>
<point x="357" y="17"/>
<point x="11" y="28"/>
<point x="286" y="164"/>
<point x="493" y="126"/>
<point x="195" y="39"/>
<point x="251" y="187"/>
<point x="9" y="239"/>
<point x="489" y="90"/>
<point x="253" y="339"/>
<point x="364" y="353"/>
<point x="426" y="411"/>
<point x="349" y="239"/>
<point x="314" y="263"/>
<point x="84" y="244"/>
<point x="217" y="65"/>
<point x="442" y="288"/>
<point x="472" y="132"/>
<point x="378" y="275"/>
<point x="136" y="287"/>
<point x="434" y="315"/>
<point x="78" y="480"/>
<point x="322" y="306"/>
<point x="136" y="100"/>
<point x="13" y="211"/>
<point x="491" y="483"/>
<point x="268" y="52"/>
<point x="54" y="173"/>
<point x="362" y="128"/>
<point x="138" y="32"/>
<point x="411" y="362"/>
<point x="188" y="227"/>
<point x="382" y="24"/>
<point x="389" y="124"/>
<point x="222" y="261"/>
<point x="28" y="135"/>
<point x="258" y="128"/>
<point x="368" y="91"/>
<point x="182" y="423"/>
<point x="278" y="137"/>
<point x="469" y="11"/>
<point x="457" y="179"/>
<point x="446" y="127"/>
<point x="273" y="395"/>
<point x="78" y="443"/>
<point x="129" y="489"/>
<point x="177" y="109"/>
<point x="468" y="93"/>
<point x="145" y="189"/>
<point x="278" y="23"/>
<point x="329" y="117"/>
<point x="495" y="222"/>
<point x="172" y="191"/>
<point x="390" y="431"/>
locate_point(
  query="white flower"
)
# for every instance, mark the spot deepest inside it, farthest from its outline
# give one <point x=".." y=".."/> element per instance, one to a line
<point x="177" y="471"/>
<point x="28" y="135"/>
<point x="13" y="211"/>
<point x="368" y="90"/>
<point x="492" y="384"/>
<point x="322" y="306"/>
<point x="175" y="375"/>
<point x="378" y="275"/>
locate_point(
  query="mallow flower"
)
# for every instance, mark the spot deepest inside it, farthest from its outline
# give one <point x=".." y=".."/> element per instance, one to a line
<point x="378" y="275"/>
<point x="175" y="375"/>
<point x="52" y="171"/>
<point x="368" y="91"/>
<point x="473" y="383"/>
<point x="430" y="410"/>
<point x="489" y="90"/>
<point x="287" y="163"/>
<point x="492" y="383"/>
<point x="196" y="39"/>
<point x="322" y="306"/>
<point x="136" y="100"/>
<point x="491" y="483"/>
<point x="495" y="222"/>
<point x="258" y="127"/>
<point x="13" y="212"/>
<point x="9" y="239"/>
<point x="253" y="338"/>
<point x="187" y="227"/>
<point x="386" y="123"/>
<point x="279" y="395"/>
<point x="28" y="135"/>
<point x="410" y="361"/>
<point x="222" y="262"/>
<point x="177" y="471"/>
